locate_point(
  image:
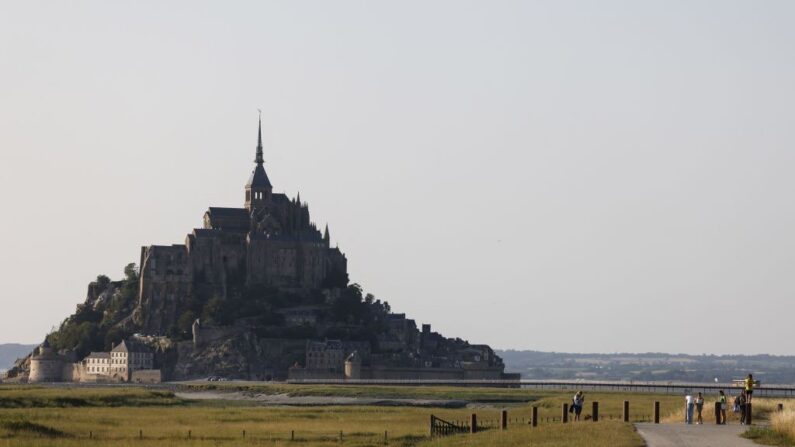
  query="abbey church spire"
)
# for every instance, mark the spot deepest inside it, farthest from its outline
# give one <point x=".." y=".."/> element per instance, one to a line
<point x="259" y="160"/>
<point x="258" y="188"/>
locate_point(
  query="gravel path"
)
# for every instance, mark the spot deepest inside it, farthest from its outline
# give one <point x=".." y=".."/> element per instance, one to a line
<point x="682" y="435"/>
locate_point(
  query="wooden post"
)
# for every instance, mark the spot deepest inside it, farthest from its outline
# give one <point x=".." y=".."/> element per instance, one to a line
<point x="565" y="415"/>
<point x="292" y="435"/>
<point x="780" y="407"/>
<point x="244" y="433"/>
<point x="386" y="437"/>
<point x="748" y="414"/>
<point x="625" y="413"/>
<point x="717" y="413"/>
<point x="340" y="436"/>
<point x="189" y="434"/>
<point x="432" y="426"/>
<point x="91" y="434"/>
<point x="534" y="417"/>
<point x="657" y="412"/>
<point x="140" y="434"/>
<point x="595" y="411"/>
<point x="473" y="423"/>
<point x="504" y="420"/>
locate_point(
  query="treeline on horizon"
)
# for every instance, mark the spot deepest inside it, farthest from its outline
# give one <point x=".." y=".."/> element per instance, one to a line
<point x="660" y="367"/>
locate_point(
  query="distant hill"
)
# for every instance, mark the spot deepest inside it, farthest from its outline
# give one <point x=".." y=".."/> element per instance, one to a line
<point x="649" y="366"/>
<point x="10" y="352"/>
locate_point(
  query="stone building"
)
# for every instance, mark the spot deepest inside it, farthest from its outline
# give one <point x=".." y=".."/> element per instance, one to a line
<point x="328" y="355"/>
<point x="98" y="363"/>
<point x="119" y="364"/>
<point x="46" y="365"/>
<point x="126" y="360"/>
<point x="270" y="241"/>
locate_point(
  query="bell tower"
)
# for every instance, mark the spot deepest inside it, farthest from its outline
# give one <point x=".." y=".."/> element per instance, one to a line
<point x="258" y="188"/>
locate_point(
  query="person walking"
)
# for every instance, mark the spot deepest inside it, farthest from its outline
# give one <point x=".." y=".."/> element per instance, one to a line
<point x="699" y="408"/>
<point x="689" y="406"/>
<point x="577" y="403"/>
<point x="722" y="402"/>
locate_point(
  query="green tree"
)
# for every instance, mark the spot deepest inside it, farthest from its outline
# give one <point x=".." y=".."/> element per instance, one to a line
<point x="131" y="272"/>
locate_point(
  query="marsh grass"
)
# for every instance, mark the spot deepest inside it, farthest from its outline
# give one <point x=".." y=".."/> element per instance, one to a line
<point x="602" y="434"/>
<point x="767" y="436"/>
<point x="781" y="431"/>
<point x="64" y="397"/>
<point x="115" y="415"/>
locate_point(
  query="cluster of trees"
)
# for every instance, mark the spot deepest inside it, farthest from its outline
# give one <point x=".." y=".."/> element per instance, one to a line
<point x="93" y="326"/>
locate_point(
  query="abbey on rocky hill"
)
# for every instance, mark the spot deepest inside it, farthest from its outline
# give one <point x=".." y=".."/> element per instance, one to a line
<point x="258" y="293"/>
<point x="270" y="241"/>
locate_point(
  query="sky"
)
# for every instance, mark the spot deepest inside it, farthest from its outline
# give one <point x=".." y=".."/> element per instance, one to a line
<point x="579" y="176"/>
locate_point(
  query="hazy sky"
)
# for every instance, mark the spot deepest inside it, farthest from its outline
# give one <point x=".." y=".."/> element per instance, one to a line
<point x="561" y="175"/>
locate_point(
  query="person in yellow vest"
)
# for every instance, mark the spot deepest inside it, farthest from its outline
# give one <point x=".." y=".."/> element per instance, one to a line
<point x="749" y="386"/>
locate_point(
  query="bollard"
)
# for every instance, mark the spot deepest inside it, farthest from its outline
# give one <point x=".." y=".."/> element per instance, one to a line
<point x="473" y="423"/>
<point x="717" y="413"/>
<point x="625" y="413"/>
<point x="565" y="415"/>
<point x="657" y="412"/>
<point x="534" y="417"/>
<point x="504" y="420"/>
<point x="748" y="414"/>
<point x="595" y="411"/>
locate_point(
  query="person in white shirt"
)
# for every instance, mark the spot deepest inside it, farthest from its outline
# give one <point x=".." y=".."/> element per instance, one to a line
<point x="690" y="403"/>
<point x="576" y="403"/>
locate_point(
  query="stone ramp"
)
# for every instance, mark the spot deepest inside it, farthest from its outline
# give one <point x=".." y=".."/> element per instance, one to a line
<point x="683" y="435"/>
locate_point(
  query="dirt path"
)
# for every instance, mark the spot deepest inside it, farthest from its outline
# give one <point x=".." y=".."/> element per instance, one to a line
<point x="682" y="435"/>
<point x="286" y="399"/>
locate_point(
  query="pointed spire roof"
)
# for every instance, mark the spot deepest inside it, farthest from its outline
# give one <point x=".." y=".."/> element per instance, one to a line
<point x="326" y="236"/>
<point x="259" y="179"/>
<point x="259" y="160"/>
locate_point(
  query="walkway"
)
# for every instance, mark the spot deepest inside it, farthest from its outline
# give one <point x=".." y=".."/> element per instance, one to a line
<point x="682" y="435"/>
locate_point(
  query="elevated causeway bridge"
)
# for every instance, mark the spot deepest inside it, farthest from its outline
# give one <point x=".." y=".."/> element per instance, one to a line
<point x="677" y="388"/>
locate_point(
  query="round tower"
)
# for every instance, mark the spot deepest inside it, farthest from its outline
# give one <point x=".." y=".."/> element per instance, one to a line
<point x="45" y="365"/>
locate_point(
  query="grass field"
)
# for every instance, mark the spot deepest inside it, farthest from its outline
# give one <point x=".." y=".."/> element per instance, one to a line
<point x="117" y="416"/>
<point x="781" y="431"/>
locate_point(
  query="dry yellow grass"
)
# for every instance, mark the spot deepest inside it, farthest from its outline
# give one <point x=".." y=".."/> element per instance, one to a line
<point x="784" y="423"/>
<point x="602" y="434"/>
<point x="35" y="416"/>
